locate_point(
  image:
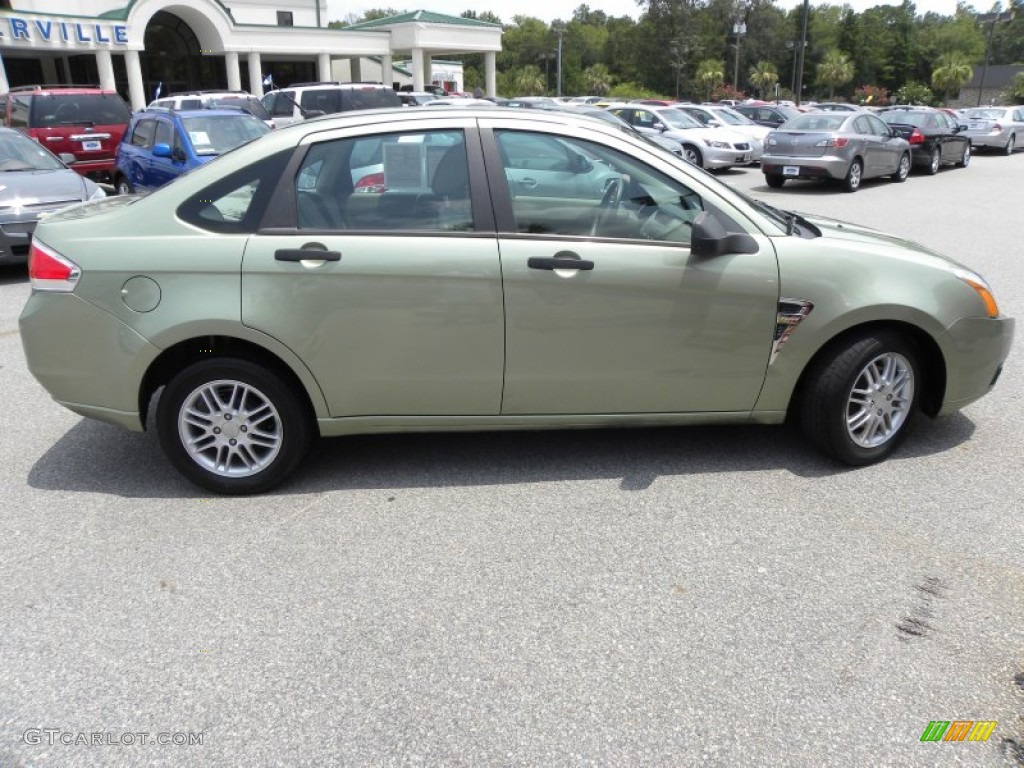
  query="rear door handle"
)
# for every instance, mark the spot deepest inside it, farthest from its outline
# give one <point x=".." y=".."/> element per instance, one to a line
<point x="542" y="262"/>
<point x="306" y="254"/>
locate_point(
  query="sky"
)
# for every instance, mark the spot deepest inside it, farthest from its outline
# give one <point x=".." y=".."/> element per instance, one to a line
<point x="549" y="10"/>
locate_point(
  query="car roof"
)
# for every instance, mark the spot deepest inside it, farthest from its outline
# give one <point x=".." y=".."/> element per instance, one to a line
<point x="59" y="89"/>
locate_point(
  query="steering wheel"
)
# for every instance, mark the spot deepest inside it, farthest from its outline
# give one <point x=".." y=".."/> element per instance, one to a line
<point x="610" y="201"/>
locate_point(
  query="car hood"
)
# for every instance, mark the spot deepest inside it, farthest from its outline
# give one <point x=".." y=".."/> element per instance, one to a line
<point x="856" y="234"/>
<point x="707" y="134"/>
<point x="58" y="185"/>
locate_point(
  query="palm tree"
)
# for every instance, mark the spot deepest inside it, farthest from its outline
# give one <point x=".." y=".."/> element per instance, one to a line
<point x="597" y="80"/>
<point x="710" y="72"/>
<point x="763" y="76"/>
<point x="951" y="72"/>
<point x="529" y="81"/>
<point x="835" y="70"/>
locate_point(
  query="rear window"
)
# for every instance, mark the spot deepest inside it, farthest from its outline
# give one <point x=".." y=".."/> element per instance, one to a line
<point x="51" y="110"/>
<point x="816" y="122"/>
<point x="250" y="104"/>
<point x="919" y="119"/>
<point x="327" y="100"/>
<point x="370" y="98"/>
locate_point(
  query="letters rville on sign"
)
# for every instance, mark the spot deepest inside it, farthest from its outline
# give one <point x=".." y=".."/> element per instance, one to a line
<point x="35" y="30"/>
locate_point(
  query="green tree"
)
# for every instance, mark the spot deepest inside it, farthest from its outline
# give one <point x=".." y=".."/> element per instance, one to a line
<point x="835" y="70"/>
<point x="710" y="73"/>
<point x="764" y="76"/>
<point x="913" y="93"/>
<point x="529" y="81"/>
<point x="597" y="81"/>
<point x="1015" y="92"/>
<point x="952" y="70"/>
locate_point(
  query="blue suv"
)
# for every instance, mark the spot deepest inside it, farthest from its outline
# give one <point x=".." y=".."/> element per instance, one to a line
<point x="161" y="144"/>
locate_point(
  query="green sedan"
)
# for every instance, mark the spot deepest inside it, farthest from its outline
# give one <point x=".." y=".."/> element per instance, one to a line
<point x="481" y="284"/>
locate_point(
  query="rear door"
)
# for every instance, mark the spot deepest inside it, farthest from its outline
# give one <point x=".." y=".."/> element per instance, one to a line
<point x="392" y="298"/>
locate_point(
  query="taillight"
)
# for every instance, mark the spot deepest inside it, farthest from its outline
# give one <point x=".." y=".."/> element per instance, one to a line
<point x="997" y="128"/>
<point x="916" y="137"/>
<point x="835" y="141"/>
<point x="373" y="182"/>
<point x="49" y="271"/>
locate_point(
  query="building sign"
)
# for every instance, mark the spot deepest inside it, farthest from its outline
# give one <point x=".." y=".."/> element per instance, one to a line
<point x="36" y="31"/>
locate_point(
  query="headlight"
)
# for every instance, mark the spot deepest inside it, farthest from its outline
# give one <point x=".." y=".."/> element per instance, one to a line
<point x="977" y="282"/>
<point x="717" y="144"/>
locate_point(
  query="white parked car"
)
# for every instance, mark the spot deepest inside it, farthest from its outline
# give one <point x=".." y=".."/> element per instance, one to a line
<point x="717" y="116"/>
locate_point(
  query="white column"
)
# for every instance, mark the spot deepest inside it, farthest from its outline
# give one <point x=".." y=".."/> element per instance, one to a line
<point x="324" y="66"/>
<point x="136" y="90"/>
<point x="105" y="65"/>
<point x="387" y="70"/>
<point x="234" y="74"/>
<point x="428" y="68"/>
<point x="255" y="75"/>
<point x="355" y="65"/>
<point x="490" y="73"/>
<point x="417" y="69"/>
<point x="4" y="85"/>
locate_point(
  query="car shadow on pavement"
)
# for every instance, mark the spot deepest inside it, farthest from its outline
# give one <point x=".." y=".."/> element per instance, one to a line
<point x="100" y="458"/>
<point x="10" y="274"/>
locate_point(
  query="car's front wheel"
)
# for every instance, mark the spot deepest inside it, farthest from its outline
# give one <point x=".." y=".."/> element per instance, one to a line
<point x="860" y="400"/>
<point x="902" y="170"/>
<point x="123" y="186"/>
<point x="232" y="426"/>
<point x="853" y="176"/>
<point x="692" y="155"/>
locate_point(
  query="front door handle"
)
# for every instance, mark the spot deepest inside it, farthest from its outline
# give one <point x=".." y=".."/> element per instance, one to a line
<point x="542" y="262"/>
<point x="306" y="254"/>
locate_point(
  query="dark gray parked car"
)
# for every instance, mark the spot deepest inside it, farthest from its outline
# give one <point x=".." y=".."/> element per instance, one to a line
<point x="33" y="181"/>
<point x="842" y="146"/>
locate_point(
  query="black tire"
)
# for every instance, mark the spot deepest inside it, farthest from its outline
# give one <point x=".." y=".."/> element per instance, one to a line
<point x="854" y="176"/>
<point x="934" y="161"/>
<point x="249" y="417"/>
<point x="902" y="170"/>
<point x="774" y="180"/>
<point x="1010" y="145"/>
<point x="692" y="155"/>
<point x="122" y="186"/>
<point x="839" y="407"/>
<point x="965" y="158"/>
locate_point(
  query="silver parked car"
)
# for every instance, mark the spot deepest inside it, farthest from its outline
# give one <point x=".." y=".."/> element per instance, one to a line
<point x="842" y="146"/>
<point x="999" y="128"/>
<point x="33" y="182"/>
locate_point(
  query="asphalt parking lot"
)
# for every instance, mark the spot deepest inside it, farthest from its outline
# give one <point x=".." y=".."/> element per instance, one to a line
<point x="673" y="597"/>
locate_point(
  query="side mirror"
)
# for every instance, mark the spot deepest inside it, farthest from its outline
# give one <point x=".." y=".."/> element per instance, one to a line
<point x="713" y="123"/>
<point x="660" y="126"/>
<point x="162" y="150"/>
<point x="709" y="238"/>
<point x="67" y="158"/>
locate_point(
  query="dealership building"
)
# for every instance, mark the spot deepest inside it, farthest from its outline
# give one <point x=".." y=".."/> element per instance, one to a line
<point x="138" y="46"/>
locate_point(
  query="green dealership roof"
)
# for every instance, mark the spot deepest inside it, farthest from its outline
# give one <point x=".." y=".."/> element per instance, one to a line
<point x="427" y="17"/>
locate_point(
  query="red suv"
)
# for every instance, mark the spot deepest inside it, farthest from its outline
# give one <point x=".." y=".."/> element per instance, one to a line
<point x="86" y="121"/>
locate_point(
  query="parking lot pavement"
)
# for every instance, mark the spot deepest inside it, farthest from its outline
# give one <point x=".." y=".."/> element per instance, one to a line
<point x="676" y="597"/>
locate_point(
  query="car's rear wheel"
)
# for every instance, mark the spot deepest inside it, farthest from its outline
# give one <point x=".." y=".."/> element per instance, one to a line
<point x="1010" y="145"/>
<point x="902" y="170"/>
<point x="232" y="426"/>
<point x="692" y="155"/>
<point x="774" y="180"/>
<point x="123" y="186"/>
<point x="860" y="400"/>
<point x="934" y="161"/>
<point x="965" y="158"/>
<point x="853" y="176"/>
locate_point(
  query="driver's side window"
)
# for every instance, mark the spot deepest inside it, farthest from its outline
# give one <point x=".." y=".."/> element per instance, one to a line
<point x="605" y="193"/>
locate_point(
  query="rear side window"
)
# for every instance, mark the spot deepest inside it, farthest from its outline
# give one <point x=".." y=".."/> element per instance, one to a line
<point x="369" y="98"/>
<point x="235" y="203"/>
<point x="142" y="136"/>
<point x="49" y="110"/>
<point x="280" y="104"/>
<point x="327" y="101"/>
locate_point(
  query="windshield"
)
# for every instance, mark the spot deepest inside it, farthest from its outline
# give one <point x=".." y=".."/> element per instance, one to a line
<point x="217" y="134"/>
<point x="733" y="118"/>
<point x="676" y="119"/>
<point x="250" y="104"/>
<point x="78" y="109"/>
<point x="18" y="153"/>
